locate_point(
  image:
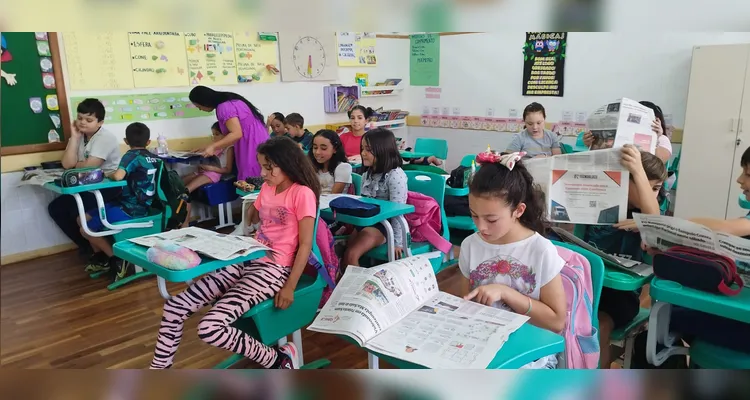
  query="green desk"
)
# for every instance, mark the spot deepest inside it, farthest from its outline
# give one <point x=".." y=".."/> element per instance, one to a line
<point x="413" y="154"/>
<point x="665" y="293"/>
<point x="620" y="279"/>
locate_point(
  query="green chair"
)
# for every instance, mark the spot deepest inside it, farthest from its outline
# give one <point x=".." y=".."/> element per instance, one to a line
<point x="708" y="356"/>
<point x="357" y="183"/>
<point x="271" y="325"/>
<point x="673" y="168"/>
<point x="579" y="139"/>
<point x="627" y="334"/>
<point x="566" y="148"/>
<point x="424" y="168"/>
<point x="158" y="216"/>
<point x="743" y="202"/>
<point x="463" y="222"/>
<point x="429" y="184"/>
<point x="466" y="161"/>
<point x="436" y="147"/>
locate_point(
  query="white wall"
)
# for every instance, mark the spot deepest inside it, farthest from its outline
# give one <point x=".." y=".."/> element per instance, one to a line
<point x="26" y="224"/>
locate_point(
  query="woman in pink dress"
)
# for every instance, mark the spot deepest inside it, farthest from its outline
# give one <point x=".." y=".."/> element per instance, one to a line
<point x="241" y="123"/>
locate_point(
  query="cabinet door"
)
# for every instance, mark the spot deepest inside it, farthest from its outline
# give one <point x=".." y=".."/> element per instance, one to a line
<point x="741" y="144"/>
<point x="717" y="78"/>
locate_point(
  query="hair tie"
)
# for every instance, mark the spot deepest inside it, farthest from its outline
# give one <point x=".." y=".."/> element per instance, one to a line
<point x="492" y="157"/>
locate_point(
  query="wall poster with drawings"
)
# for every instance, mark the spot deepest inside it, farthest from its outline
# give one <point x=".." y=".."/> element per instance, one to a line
<point x="308" y="57"/>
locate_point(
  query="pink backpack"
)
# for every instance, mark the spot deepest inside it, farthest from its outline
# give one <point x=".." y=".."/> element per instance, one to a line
<point x="581" y="337"/>
<point x="425" y="223"/>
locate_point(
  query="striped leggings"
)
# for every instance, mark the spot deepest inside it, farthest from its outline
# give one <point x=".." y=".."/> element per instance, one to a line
<point x="238" y="287"/>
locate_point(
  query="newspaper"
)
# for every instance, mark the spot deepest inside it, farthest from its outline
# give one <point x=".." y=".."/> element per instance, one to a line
<point x="182" y="154"/>
<point x="396" y="309"/>
<point x="620" y="123"/>
<point x="40" y="177"/>
<point x="662" y="232"/>
<point x="589" y="188"/>
<point x="210" y="243"/>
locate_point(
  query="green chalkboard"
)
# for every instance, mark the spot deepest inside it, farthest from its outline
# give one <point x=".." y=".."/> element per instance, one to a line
<point x="21" y="129"/>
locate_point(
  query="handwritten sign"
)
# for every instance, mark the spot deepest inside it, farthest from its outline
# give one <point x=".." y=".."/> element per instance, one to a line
<point x="157" y="59"/>
<point x="424" y="64"/>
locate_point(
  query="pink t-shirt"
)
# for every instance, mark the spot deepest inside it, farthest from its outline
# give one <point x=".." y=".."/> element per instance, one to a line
<point x="279" y="219"/>
<point x="351" y="143"/>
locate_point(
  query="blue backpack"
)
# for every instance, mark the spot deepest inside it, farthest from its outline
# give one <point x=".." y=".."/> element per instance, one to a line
<point x="354" y="207"/>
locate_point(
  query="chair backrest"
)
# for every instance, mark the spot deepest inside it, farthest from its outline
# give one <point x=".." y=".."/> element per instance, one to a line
<point x="743" y="202"/>
<point x="436" y="147"/>
<point x="466" y="161"/>
<point x="432" y="185"/>
<point x="566" y="148"/>
<point x="357" y="183"/>
<point x="579" y="139"/>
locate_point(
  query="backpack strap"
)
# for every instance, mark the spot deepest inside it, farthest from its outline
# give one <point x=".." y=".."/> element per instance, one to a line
<point x="434" y="238"/>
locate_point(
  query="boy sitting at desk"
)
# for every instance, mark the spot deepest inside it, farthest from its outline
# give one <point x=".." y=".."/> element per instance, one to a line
<point x="295" y="126"/>
<point x="140" y="168"/>
<point x="90" y="145"/>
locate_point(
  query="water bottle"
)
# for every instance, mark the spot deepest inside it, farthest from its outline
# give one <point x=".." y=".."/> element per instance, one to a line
<point x="161" y="148"/>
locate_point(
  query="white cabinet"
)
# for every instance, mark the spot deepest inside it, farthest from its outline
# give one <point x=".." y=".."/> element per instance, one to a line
<point x="717" y="123"/>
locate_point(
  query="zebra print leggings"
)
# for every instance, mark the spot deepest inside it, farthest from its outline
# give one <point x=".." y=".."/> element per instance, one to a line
<point x="238" y="288"/>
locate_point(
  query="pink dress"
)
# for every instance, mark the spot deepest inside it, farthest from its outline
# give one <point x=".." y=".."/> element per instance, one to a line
<point x="253" y="134"/>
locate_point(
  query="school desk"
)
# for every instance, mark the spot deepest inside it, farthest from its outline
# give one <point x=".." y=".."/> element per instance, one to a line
<point x="529" y="343"/>
<point x="621" y="279"/>
<point x="665" y="293"/>
<point x="95" y="188"/>
<point x="388" y="210"/>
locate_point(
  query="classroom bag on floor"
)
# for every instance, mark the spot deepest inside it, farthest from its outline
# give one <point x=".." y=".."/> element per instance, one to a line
<point x="426" y="221"/>
<point x="581" y="337"/>
<point x="177" y="198"/>
<point x="698" y="269"/>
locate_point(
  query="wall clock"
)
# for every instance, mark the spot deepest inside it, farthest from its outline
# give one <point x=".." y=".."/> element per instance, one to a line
<point x="309" y="57"/>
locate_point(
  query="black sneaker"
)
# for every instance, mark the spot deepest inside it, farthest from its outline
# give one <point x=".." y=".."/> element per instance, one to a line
<point x="120" y="268"/>
<point x="98" y="262"/>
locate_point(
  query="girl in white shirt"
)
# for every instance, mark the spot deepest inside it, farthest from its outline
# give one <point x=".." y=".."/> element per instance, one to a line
<point x="507" y="263"/>
<point x="328" y="158"/>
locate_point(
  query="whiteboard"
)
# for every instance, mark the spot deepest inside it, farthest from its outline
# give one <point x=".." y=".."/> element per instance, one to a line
<point x="308" y="57"/>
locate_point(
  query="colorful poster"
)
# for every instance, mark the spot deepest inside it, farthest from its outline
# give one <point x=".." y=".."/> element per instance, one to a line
<point x="544" y="64"/>
<point x="356" y="49"/>
<point x="145" y="107"/>
<point x="158" y="59"/>
<point x="424" y="64"/>
<point x="211" y="58"/>
<point x="253" y="55"/>
<point x="98" y="61"/>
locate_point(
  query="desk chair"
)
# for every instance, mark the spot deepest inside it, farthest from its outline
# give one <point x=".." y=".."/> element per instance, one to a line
<point x="742" y="200"/>
<point x="429" y="184"/>
<point x="673" y="168"/>
<point x="271" y="325"/>
<point x="436" y="147"/>
<point x="579" y="139"/>
<point x="357" y="183"/>
<point x="708" y="356"/>
<point x="159" y="214"/>
<point x="463" y="222"/>
<point x="566" y="148"/>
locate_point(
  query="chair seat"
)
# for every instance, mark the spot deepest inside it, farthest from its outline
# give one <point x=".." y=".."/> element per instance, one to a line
<point x="155" y="216"/>
<point x="461" y="222"/>
<point x="709" y="356"/>
<point x="640" y="319"/>
<point x="217" y="193"/>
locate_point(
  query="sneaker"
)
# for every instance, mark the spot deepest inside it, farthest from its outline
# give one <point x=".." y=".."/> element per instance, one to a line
<point x="98" y="262"/>
<point x="287" y="357"/>
<point x="121" y="268"/>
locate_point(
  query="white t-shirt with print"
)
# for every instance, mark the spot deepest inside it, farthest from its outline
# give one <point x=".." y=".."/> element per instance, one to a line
<point x="104" y="145"/>
<point x="525" y="266"/>
<point x="342" y="174"/>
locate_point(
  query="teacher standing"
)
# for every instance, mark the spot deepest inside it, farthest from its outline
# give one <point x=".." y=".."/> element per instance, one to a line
<point x="241" y="123"/>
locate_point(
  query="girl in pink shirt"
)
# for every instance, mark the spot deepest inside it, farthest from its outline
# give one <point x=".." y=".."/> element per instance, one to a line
<point x="352" y="140"/>
<point x="286" y="208"/>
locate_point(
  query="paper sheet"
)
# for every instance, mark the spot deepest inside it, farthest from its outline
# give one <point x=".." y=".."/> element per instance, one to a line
<point x="210" y="243"/>
<point x="98" y="61"/>
<point x="158" y="59"/>
<point x="210" y="58"/>
<point x="252" y="55"/>
<point x="356" y="49"/>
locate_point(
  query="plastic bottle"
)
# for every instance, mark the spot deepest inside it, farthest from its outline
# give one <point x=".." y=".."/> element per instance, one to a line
<point x="161" y="148"/>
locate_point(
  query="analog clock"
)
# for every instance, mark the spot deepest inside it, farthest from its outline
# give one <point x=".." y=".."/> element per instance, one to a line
<point x="309" y="57"/>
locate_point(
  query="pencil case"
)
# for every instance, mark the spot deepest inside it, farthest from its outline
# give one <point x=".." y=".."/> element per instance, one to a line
<point x="699" y="270"/>
<point x="173" y="256"/>
<point x="81" y="176"/>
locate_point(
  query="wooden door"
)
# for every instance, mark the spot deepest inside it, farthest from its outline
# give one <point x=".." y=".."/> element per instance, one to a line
<point x="717" y="81"/>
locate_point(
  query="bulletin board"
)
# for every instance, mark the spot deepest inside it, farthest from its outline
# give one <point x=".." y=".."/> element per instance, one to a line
<point x="26" y="55"/>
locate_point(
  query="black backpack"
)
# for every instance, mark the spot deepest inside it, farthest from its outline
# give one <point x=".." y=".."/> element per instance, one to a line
<point x="177" y="197"/>
<point x="459" y="177"/>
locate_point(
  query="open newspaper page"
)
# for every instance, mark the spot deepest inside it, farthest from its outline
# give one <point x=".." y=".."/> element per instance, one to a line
<point x="588" y="188"/>
<point x="367" y="301"/>
<point x="662" y="232"/>
<point x="39" y="177"/>
<point x="622" y="122"/>
<point x="210" y="243"/>
<point x="449" y="332"/>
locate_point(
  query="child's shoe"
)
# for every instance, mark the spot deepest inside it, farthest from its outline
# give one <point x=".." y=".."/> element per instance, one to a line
<point x="286" y="357"/>
<point x="120" y="268"/>
<point x="98" y="262"/>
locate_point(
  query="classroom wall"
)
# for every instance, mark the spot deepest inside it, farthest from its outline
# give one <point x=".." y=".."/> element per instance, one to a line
<point x="27" y="229"/>
<point x="479" y="71"/>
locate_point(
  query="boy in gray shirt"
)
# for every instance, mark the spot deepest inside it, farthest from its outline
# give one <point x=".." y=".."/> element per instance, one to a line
<point x="535" y="140"/>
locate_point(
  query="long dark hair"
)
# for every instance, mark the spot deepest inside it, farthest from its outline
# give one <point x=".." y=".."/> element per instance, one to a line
<point x="382" y="143"/>
<point x="208" y="97"/>
<point x="284" y="153"/>
<point x="338" y="157"/>
<point x="658" y="113"/>
<point x="514" y="187"/>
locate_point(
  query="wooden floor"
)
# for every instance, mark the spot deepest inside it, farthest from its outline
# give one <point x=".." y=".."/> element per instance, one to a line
<point x="52" y="315"/>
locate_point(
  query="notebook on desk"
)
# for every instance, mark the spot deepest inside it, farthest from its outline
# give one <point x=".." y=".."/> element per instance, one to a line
<point x="635" y="267"/>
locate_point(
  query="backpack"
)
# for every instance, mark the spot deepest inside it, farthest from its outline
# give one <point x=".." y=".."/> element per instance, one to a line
<point x="177" y="197"/>
<point x="459" y="177"/>
<point x="581" y="337"/>
<point x="426" y="221"/>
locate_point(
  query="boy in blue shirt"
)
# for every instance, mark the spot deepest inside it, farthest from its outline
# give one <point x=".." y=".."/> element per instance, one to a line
<point x="295" y="126"/>
<point x="140" y="168"/>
